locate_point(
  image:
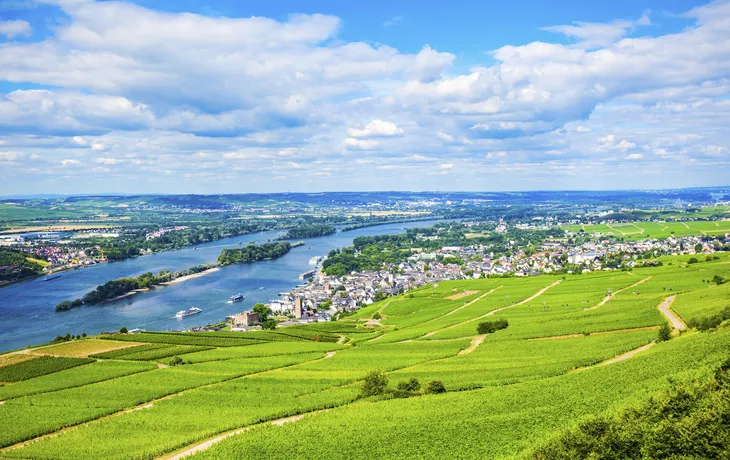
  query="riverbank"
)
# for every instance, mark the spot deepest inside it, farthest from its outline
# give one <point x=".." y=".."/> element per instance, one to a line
<point x="193" y="276"/>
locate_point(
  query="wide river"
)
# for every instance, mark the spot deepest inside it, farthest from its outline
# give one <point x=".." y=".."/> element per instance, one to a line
<point x="27" y="315"/>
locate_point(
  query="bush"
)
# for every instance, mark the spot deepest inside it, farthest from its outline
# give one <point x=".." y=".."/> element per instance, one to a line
<point x="692" y="260"/>
<point x="489" y="327"/>
<point x="435" y="386"/>
<point x="375" y="384"/>
<point x="377" y="316"/>
<point x="709" y="322"/>
<point x="410" y="385"/>
<point x="665" y="333"/>
<point x="123" y="330"/>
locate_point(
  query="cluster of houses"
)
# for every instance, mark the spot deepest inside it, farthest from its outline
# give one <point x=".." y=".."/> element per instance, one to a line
<point x="325" y="295"/>
<point x="159" y="232"/>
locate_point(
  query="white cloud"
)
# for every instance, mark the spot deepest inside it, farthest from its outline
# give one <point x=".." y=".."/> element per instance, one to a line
<point x="294" y="165"/>
<point x="15" y="28"/>
<point x="376" y="128"/>
<point x="445" y="137"/>
<point x="635" y="156"/>
<point x="13" y="156"/>
<point x="446" y="165"/>
<point x="70" y="162"/>
<point x="393" y="21"/>
<point x="582" y="129"/>
<point x="362" y="144"/>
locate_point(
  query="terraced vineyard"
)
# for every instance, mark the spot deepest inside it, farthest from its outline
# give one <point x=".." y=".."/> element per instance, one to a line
<point x="643" y="230"/>
<point x="568" y="353"/>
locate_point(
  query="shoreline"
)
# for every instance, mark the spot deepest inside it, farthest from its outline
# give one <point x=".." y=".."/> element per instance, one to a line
<point x="189" y="277"/>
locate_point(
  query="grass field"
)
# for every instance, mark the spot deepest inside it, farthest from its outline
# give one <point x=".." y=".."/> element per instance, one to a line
<point x="644" y="230"/>
<point x="566" y="354"/>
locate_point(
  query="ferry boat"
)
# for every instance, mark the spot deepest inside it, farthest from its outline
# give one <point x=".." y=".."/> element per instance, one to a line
<point x="51" y="277"/>
<point x="235" y="298"/>
<point x="188" y="312"/>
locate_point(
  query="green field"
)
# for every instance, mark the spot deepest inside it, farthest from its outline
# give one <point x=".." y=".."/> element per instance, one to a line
<point x="644" y="230"/>
<point x="566" y="355"/>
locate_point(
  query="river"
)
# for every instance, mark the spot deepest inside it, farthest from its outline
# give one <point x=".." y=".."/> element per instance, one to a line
<point x="28" y="317"/>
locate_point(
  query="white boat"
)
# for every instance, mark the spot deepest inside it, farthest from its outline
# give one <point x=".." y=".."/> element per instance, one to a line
<point x="315" y="260"/>
<point x="188" y="312"/>
<point x="235" y="298"/>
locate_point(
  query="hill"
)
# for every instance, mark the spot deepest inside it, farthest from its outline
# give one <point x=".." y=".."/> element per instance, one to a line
<point x="569" y="353"/>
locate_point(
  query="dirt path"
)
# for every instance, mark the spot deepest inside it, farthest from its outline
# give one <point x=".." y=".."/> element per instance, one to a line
<point x="619" y="358"/>
<point x="672" y="317"/>
<point x="615" y="331"/>
<point x="532" y="297"/>
<point x="471" y="302"/>
<point x="162" y="366"/>
<point x="460" y="295"/>
<point x="475" y="342"/>
<point x="341" y="340"/>
<point x="209" y="443"/>
<point x="606" y="299"/>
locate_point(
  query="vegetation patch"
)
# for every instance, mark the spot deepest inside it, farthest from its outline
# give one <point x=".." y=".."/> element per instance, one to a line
<point x="36" y="367"/>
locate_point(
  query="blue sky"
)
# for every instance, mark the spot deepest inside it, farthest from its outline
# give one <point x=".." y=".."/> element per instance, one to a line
<point x="227" y="96"/>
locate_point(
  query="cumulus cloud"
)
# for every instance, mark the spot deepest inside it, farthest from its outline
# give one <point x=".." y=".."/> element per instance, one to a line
<point x="376" y="128"/>
<point x="15" y="28"/>
<point x="170" y="94"/>
<point x="362" y="144"/>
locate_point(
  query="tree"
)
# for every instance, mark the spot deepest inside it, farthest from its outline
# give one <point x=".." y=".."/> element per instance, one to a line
<point x="269" y="324"/>
<point x="410" y="385"/>
<point x="717" y="279"/>
<point x="435" y="386"/>
<point x="698" y="247"/>
<point x="375" y="383"/>
<point x="262" y="311"/>
<point x="123" y="330"/>
<point x="665" y="333"/>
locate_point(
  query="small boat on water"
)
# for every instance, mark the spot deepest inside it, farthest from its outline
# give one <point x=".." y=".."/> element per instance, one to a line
<point x="51" y="277"/>
<point x="188" y="312"/>
<point x="235" y="298"/>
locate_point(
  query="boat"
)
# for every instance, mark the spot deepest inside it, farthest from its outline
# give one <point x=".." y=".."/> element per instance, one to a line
<point x="235" y="298"/>
<point x="51" y="277"/>
<point x="188" y="312"/>
<point x="315" y="260"/>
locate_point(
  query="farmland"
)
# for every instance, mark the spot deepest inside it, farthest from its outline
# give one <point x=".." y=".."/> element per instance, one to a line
<point x="644" y="230"/>
<point x="572" y="347"/>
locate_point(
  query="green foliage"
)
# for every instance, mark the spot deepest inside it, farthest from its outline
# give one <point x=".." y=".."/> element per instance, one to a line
<point x="375" y="383"/>
<point x="253" y="253"/>
<point x="489" y="327"/>
<point x="39" y="366"/>
<point x="262" y="311"/>
<point x="709" y="322"/>
<point x="435" y="386"/>
<point x="123" y="330"/>
<point x="664" y="334"/>
<point x="25" y="268"/>
<point x="692" y="260"/>
<point x="69" y="304"/>
<point x="409" y="385"/>
<point x="269" y="324"/>
<point x="309" y="231"/>
<point x="688" y="421"/>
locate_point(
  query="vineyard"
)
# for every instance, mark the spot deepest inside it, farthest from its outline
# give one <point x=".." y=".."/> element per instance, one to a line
<point x="412" y="376"/>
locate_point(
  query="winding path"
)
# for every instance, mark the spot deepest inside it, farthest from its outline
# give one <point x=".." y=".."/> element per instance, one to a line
<point x="606" y="299"/>
<point x="475" y="342"/>
<point x="672" y="317"/>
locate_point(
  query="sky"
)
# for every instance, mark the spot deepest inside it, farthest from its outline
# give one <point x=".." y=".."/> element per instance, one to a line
<point x="191" y="96"/>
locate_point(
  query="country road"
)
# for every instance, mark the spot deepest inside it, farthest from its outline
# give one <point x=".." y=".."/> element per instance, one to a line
<point x="676" y="322"/>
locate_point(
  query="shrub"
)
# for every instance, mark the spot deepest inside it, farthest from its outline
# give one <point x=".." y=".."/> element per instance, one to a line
<point x="435" y="386"/>
<point x="377" y="316"/>
<point x="123" y="330"/>
<point x="375" y="384"/>
<point x="489" y="327"/>
<point x="692" y="260"/>
<point x="709" y="322"/>
<point x="410" y="385"/>
<point x="665" y="333"/>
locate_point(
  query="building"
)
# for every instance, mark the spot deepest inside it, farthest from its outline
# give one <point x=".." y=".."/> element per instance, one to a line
<point x="245" y="320"/>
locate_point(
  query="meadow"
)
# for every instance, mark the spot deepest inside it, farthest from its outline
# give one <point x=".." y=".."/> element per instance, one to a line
<point x="568" y="353"/>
